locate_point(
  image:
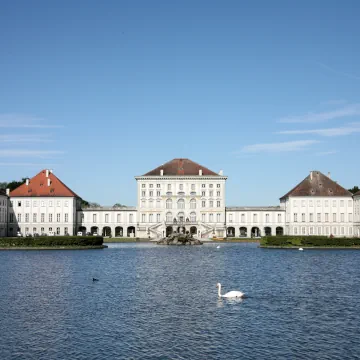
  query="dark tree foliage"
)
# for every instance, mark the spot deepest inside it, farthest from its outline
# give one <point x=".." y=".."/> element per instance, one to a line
<point x="12" y="185"/>
<point x="354" y="190"/>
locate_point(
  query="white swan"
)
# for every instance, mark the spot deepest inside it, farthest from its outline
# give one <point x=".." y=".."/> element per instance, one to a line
<point x="218" y="247"/>
<point x="301" y="249"/>
<point x="230" y="294"/>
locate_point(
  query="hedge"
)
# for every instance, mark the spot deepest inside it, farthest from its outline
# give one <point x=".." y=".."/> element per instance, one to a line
<point x="308" y="241"/>
<point x="51" y="241"/>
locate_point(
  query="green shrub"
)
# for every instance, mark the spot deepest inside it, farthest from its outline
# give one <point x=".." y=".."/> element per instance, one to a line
<point x="286" y="240"/>
<point x="51" y="241"/>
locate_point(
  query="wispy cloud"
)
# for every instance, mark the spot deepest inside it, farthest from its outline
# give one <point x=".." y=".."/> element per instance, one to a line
<point x="30" y="138"/>
<point x="338" y="131"/>
<point x="25" y="122"/>
<point x="343" y="73"/>
<point x="348" y="110"/>
<point x="279" y="147"/>
<point x="30" y="153"/>
<point x="325" y="153"/>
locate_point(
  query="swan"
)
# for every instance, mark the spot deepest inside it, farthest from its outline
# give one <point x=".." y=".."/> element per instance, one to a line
<point x="301" y="249"/>
<point x="218" y="247"/>
<point x="230" y="294"/>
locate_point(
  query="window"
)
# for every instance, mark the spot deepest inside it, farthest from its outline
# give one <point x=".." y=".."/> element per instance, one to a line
<point x="218" y="218"/>
<point x="50" y="217"/>
<point x="151" y="204"/>
<point x="310" y="203"/>
<point x="303" y="230"/>
<point x="254" y="218"/>
<point x="66" y="217"/>
<point x="19" y="203"/>
<point x="218" y="204"/>
<point x="143" y="186"/>
<point x="11" y="218"/>
<point x="58" y="231"/>
<point x="318" y="203"/>
<point x="211" y="203"/>
<point x="334" y="217"/>
<point x="34" y="230"/>
<point x="50" y="228"/>
<point x="295" y="203"/>
<point x="158" y="193"/>
<point x="202" y="185"/>
<point x="203" y="193"/>
<point x="192" y="217"/>
<point x="295" y="217"/>
<point x="58" y="203"/>
<point x="295" y="230"/>
<point x="94" y="218"/>
<point x="158" y="203"/>
<point x="118" y="218"/>
<point x="211" y="186"/>
<point x="243" y="218"/>
<point x="350" y="203"/>
<point x="42" y="203"/>
<point x="168" y="217"/>
<point x="158" y="185"/>
<point x="181" y="204"/>
<point x="143" y="193"/>
<point x="279" y="218"/>
<point x="303" y="203"/>
<point x="192" y="186"/>
<point x="42" y="217"/>
<point x="157" y="217"/>
<point x="34" y="218"/>
<point x="66" y="231"/>
<point x="218" y="193"/>
<point x="211" y="193"/>
<point x="151" y="218"/>
<point x="57" y="217"/>
<point x="342" y="217"/>
<point x="82" y="217"/>
<point x="303" y="217"/>
<point x="350" y="231"/>
<point x="342" y="230"/>
<point x="203" y="217"/>
<point x="26" y="230"/>
<point x="319" y="230"/>
<point x="334" y="230"/>
<point x="106" y="218"/>
<point x="169" y="204"/>
<point x="217" y="185"/>
<point x="181" y="187"/>
<point x="326" y="217"/>
<point x="318" y="217"/>
<point x="192" y="204"/>
<point x="151" y="186"/>
<point x="350" y="217"/>
<point x="143" y="203"/>
<point x="35" y="203"/>
<point x="151" y="193"/>
<point x="143" y="217"/>
<point x="334" y="203"/>
<point x="230" y="218"/>
<point x="342" y="203"/>
<point x="203" y="203"/>
<point x="311" y="219"/>
<point x="267" y="218"/>
<point x="66" y="203"/>
<point x="27" y="203"/>
<point x="326" y="203"/>
<point x="211" y="218"/>
<point x="311" y="230"/>
<point x="50" y="203"/>
<point x="131" y="218"/>
<point x="169" y="187"/>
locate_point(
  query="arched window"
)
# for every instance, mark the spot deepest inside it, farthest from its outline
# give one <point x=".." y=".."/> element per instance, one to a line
<point x="169" y="217"/>
<point x="192" y="204"/>
<point x="193" y="216"/>
<point x="181" y="217"/>
<point x="169" y="204"/>
<point x="181" y="204"/>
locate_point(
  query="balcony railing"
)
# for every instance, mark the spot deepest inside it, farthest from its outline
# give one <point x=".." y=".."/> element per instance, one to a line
<point x="181" y="223"/>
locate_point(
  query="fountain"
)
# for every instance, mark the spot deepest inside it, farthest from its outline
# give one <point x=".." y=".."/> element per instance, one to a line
<point x="179" y="239"/>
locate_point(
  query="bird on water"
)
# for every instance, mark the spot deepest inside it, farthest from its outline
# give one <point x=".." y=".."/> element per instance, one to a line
<point x="230" y="294"/>
<point x="95" y="279"/>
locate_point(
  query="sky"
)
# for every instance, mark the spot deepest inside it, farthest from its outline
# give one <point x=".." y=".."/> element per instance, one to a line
<point x="101" y="92"/>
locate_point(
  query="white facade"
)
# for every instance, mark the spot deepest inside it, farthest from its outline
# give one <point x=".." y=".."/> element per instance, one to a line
<point x="181" y="203"/>
<point x="42" y="215"/>
<point x="4" y="200"/>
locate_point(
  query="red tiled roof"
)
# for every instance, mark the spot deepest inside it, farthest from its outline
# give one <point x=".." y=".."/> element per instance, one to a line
<point x="357" y="193"/>
<point x="38" y="186"/>
<point x="319" y="185"/>
<point x="180" y="167"/>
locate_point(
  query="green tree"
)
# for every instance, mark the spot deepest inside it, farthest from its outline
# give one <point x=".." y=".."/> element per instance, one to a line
<point x="354" y="190"/>
<point x="12" y="185"/>
<point x="3" y="185"/>
<point x="118" y="205"/>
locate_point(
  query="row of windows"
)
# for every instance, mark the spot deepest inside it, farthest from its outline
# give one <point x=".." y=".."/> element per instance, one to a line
<point x="42" y="218"/>
<point x="158" y="193"/>
<point x="180" y="204"/>
<point x="42" y="230"/>
<point x="40" y="203"/>
<point x="327" y="230"/>
<point x="319" y="203"/>
<point x="107" y="218"/>
<point x="255" y="218"/>
<point x="326" y="217"/>
<point x="180" y="217"/>
<point x="3" y="215"/>
<point x="3" y="202"/>
<point x="181" y="186"/>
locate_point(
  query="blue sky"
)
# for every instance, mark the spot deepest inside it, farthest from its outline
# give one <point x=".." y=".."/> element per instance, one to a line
<point x="104" y="91"/>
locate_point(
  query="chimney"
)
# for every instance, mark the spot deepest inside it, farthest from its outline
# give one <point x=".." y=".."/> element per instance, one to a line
<point x="311" y="175"/>
<point x="329" y="175"/>
<point x="200" y="172"/>
<point x="51" y="171"/>
<point x="161" y="172"/>
<point x="48" y="181"/>
<point x="47" y="173"/>
<point x="221" y="173"/>
<point x="27" y="182"/>
<point x="8" y="192"/>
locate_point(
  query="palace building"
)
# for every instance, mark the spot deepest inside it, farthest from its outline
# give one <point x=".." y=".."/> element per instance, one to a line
<point x="182" y="195"/>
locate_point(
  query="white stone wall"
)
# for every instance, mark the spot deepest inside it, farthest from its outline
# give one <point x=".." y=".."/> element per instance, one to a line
<point x="3" y="214"/>
<point x="119" y="221"/>
<point x="194" y="201"/>
<point x="320" y="215"/>
<point x="42" y="214"/>
<point x="357" y="215"/>
<point x="256" y="220"/>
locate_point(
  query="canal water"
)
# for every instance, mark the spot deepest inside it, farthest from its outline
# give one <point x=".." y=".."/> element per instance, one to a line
<point x="158" y="302"/>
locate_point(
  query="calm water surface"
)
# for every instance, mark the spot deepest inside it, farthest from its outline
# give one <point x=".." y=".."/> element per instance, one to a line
<point x="154" y="302"/>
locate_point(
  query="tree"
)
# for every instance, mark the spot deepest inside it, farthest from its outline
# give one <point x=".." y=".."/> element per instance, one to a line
<point x="354" y="190"/>
<point x="118" y="205"/>
<point x="3" y="185"/>
<point x="12" y="185"/>
<point x="86" y="204"/>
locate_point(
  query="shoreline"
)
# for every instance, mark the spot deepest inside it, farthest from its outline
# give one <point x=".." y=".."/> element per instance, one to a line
<point x="53" y="247"/>
<point x="311" y="247"/>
